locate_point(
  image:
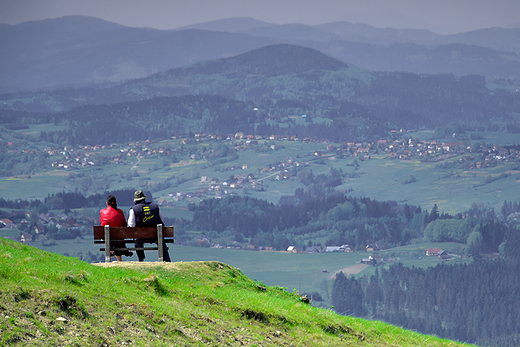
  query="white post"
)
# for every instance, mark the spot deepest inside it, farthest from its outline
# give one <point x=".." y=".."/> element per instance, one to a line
<point x="160" y="242"/>
<point x="107" y="243"/>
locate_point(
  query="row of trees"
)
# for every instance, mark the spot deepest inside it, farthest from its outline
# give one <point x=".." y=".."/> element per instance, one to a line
<point x="343" y="219"/>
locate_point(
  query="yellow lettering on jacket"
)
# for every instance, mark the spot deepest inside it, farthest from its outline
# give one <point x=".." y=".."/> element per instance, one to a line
<point x="147" y="218"/>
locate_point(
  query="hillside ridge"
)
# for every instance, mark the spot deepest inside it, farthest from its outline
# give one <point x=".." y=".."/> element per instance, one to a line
<point x="270" y="61"/>
<point x="74" y="303"/>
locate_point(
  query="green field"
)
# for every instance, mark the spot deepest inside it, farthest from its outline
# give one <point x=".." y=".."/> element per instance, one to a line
<point x="36" y="129"/>
<point x="381" y="179"/>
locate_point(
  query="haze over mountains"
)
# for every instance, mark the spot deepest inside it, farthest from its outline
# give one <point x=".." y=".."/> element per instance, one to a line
<point x="78" y="51"/>
<point x="258" y="91"/>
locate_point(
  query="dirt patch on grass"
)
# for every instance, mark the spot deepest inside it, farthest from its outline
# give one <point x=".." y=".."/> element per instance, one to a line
<point x="351" y="270"/>
<point x="60" y="173"/>
<point x="181" y="163"/>
<point x="139" y="265"/>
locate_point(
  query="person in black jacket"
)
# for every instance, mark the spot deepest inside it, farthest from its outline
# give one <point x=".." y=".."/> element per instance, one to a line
<point x="145" y="214"/>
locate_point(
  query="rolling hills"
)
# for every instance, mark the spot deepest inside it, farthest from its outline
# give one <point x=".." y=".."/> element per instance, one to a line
<point x="280" y="81"/>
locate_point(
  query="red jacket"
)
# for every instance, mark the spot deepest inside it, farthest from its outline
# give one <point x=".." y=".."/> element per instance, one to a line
<point x="113" y="217"/>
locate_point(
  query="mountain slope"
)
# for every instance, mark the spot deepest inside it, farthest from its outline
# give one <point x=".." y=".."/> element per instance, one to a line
<point x="271" y="61"/>
<point x="294" y="32"/>
<point x="75" y="51"/>
<point x="368" y="34"/>
<point x="232" y="25"/>
<point x="495" y="38"/>
<point x="48" y="299"/>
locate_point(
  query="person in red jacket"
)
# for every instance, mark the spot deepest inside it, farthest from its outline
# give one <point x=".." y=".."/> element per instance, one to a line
<point x="114" y="217"/>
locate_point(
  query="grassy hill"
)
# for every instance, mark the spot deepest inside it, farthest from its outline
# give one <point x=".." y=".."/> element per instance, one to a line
<point x="48" y="299"/>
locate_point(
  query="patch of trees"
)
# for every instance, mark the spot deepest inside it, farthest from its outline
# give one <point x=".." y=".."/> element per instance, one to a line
<point x="345" y="220"/>
<point x="509" y="208"/>
<point x="70" y="200"/>
<point x="13" y="163"/>
<point x="476" y="303"/>
<point x="19" y="204"/>
<point x="309" y="215"/>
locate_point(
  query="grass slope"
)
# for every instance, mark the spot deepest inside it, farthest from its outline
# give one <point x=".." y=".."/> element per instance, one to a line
<point x="301" y="271"/>
<point x="47" y="299"/>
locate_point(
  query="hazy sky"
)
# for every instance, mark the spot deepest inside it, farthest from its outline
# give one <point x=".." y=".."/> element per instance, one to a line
<point x="440" y="16"/>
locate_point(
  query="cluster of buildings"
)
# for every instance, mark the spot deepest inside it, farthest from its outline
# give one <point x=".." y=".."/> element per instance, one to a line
<point x="73" y="157"/>
<point x="82" y="156"/>
<point x="397" y="148"/>
<point x="45" y="225"/>
<point x="483" y="155"/>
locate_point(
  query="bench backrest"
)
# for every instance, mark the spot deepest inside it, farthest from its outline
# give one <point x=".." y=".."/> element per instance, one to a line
<point x="121" y="233"/>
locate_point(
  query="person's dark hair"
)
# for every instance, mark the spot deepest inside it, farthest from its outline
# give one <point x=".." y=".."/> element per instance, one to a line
<point x="111" y="201"/>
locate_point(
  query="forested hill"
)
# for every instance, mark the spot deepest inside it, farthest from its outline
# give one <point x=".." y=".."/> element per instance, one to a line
<point x="273" y="60"/>
<point x="156" y="118"/>
<point x="318" y="213"/>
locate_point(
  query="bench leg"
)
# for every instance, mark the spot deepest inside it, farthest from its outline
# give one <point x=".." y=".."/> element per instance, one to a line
<point x="107" y="243"/>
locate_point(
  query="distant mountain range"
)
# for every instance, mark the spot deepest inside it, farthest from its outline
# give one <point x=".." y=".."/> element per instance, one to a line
<point x="78" y="51"/>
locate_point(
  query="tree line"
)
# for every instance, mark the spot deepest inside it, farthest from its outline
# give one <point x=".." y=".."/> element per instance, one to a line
<point x="70" y="200"/>
<point x="306" y="216"/>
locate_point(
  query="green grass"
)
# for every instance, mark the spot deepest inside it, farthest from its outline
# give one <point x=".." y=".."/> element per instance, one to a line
<point x="381" y="179"/>
<point x="35" y="187"/>
<point x="489" y="137"/>
<point x="47" y="299"/>
<point x="8" y="232"/>
<point x="36" y="129"/>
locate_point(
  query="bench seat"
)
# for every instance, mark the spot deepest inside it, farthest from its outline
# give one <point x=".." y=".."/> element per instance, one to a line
<point x="107" y="235"/>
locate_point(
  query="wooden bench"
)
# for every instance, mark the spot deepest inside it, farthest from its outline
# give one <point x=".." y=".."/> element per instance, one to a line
<point x="106" y="235"/>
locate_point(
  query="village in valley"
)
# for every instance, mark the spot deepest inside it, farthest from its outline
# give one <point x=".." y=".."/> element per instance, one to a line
<point x="475" y="155"/>
<point x="73" y="160"/>
<point x="397" y="148"/>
